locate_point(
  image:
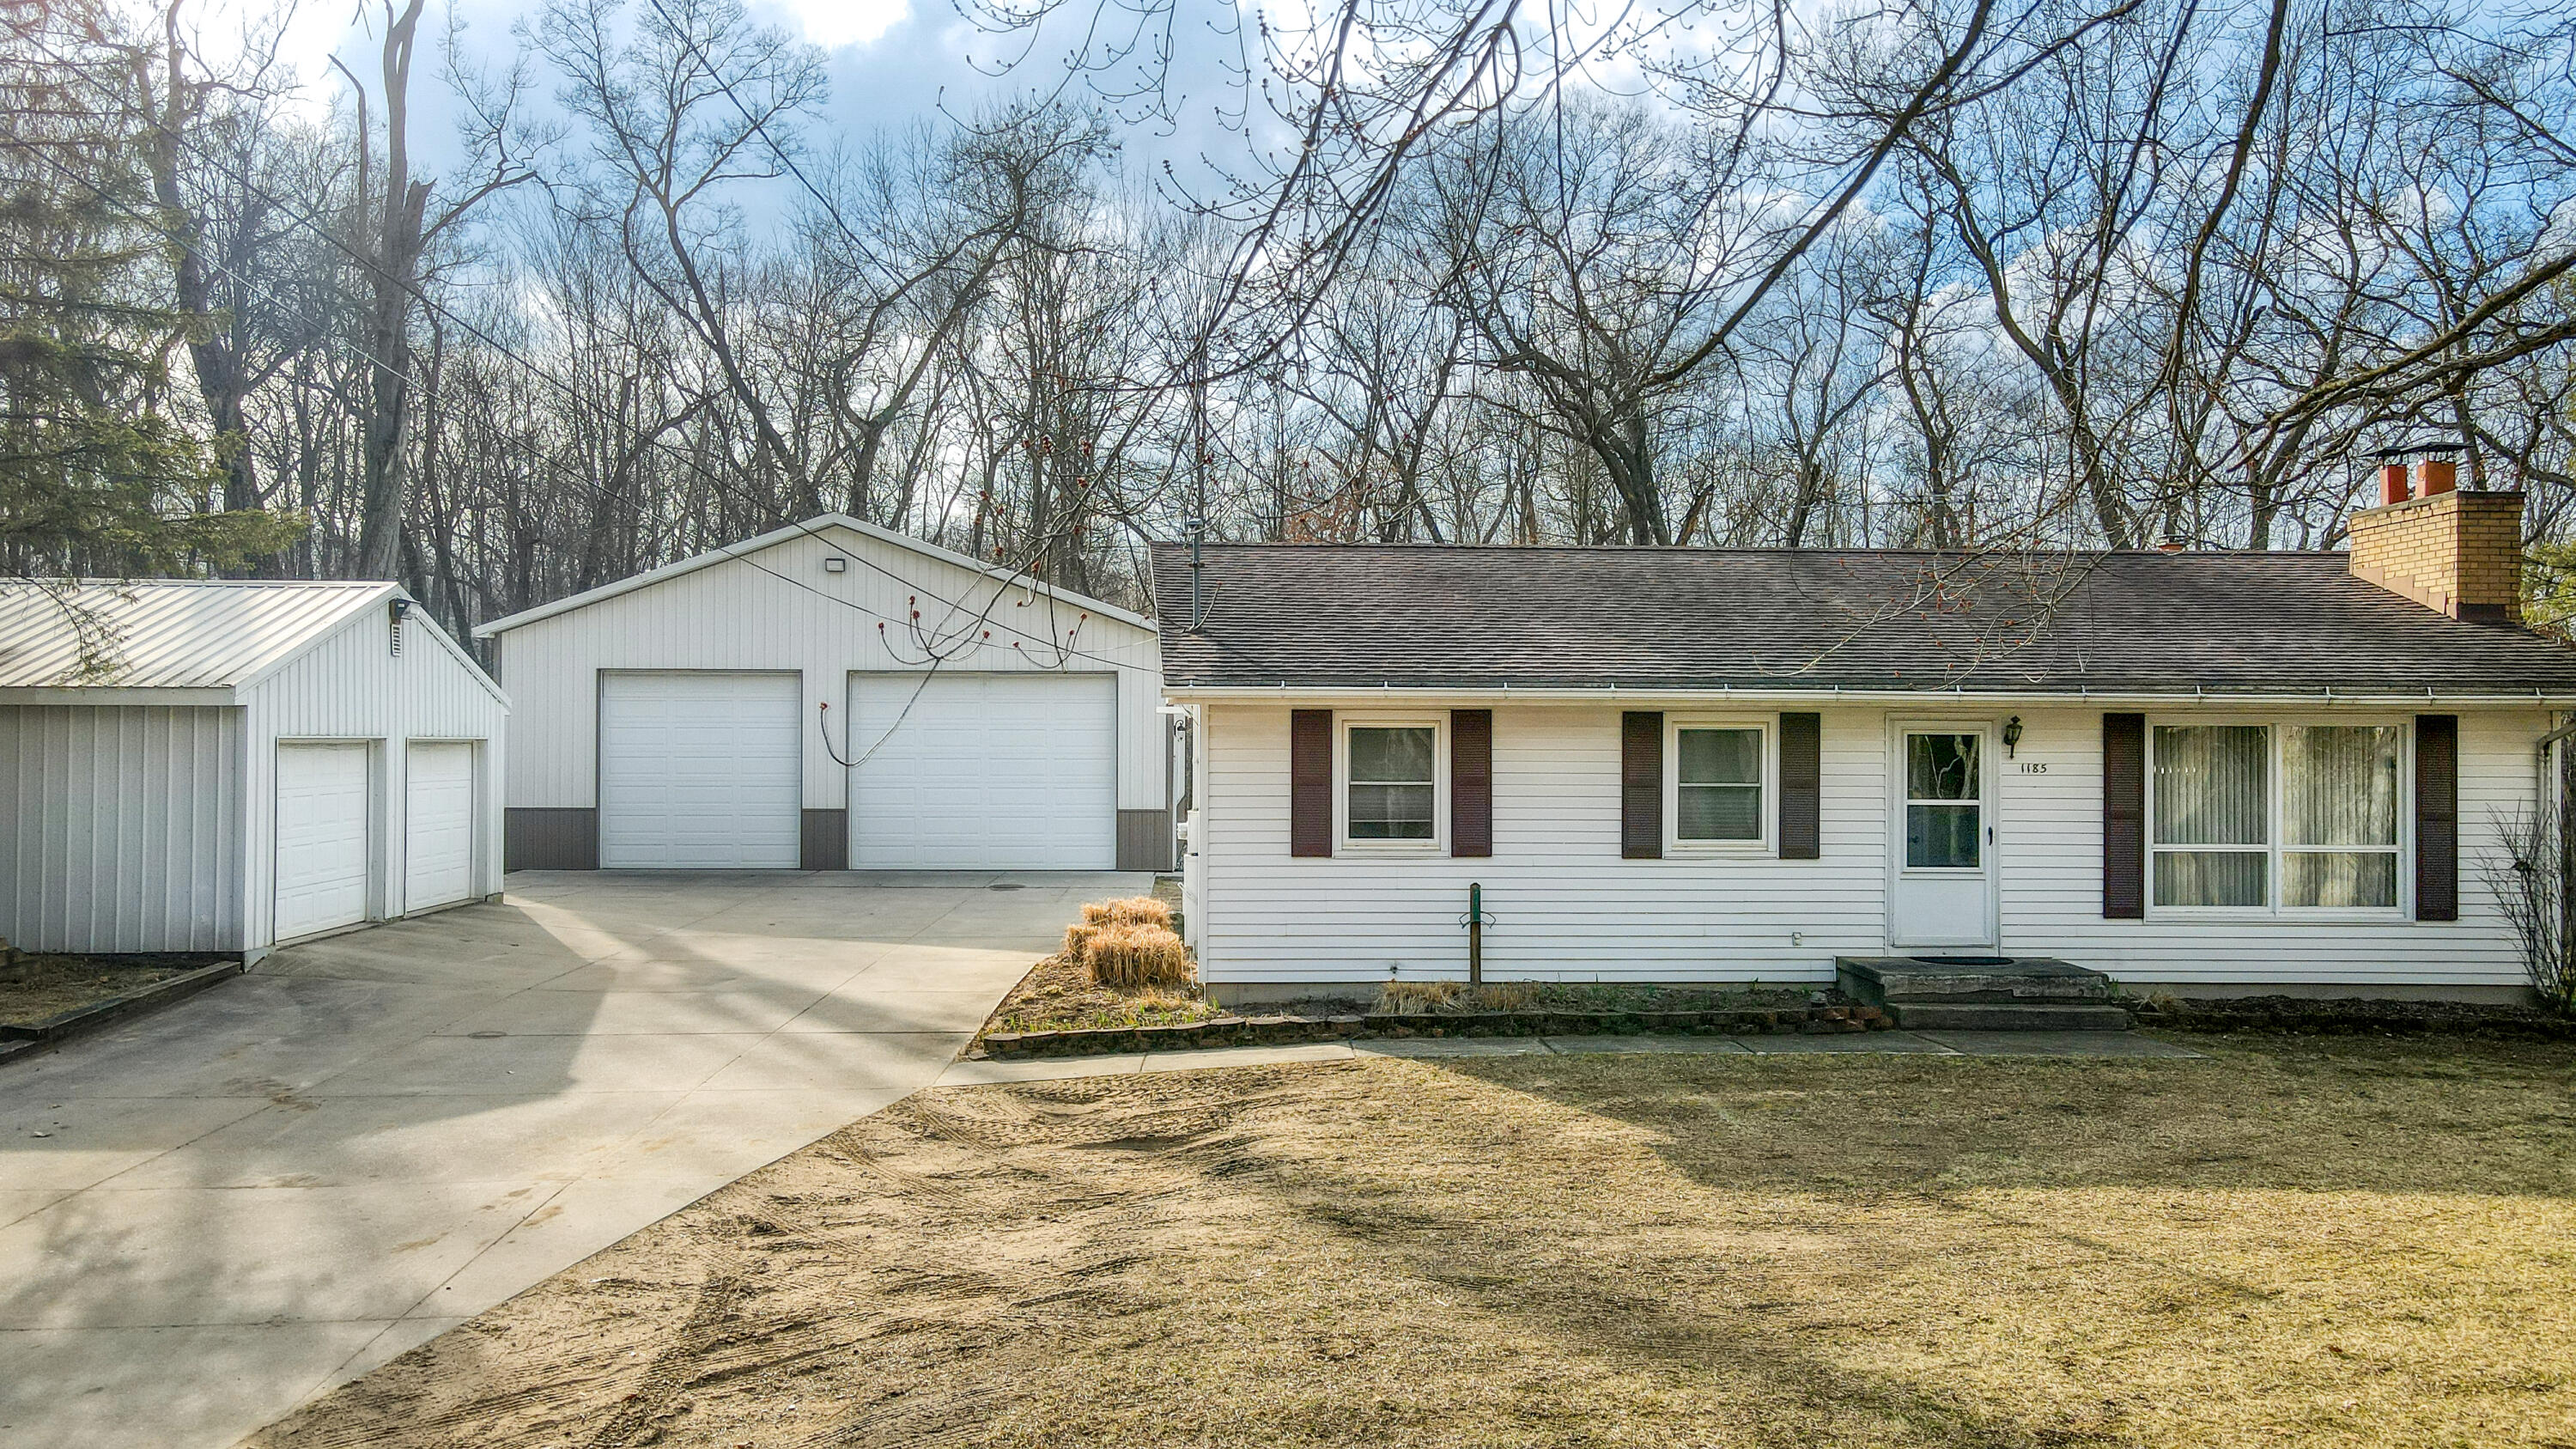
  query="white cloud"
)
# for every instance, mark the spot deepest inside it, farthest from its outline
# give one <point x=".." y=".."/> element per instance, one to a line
<point x="836" y="23"/>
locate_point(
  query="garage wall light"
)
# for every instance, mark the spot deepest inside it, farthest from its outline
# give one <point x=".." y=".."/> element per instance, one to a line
<point x="835" y="564"/>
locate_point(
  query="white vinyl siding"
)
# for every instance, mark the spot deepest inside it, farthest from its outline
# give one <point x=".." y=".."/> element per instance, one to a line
<point x="983" y="771"/>
<point x="1567" y="907"/>
<point x="699" y="771"/>
<point x="325" y="852"/>
<point x="438" y="824"/>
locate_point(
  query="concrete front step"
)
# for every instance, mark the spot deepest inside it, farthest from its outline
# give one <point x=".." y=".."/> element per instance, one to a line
<point x="2004" y="1016"/>
<point x="2001" y="980"/>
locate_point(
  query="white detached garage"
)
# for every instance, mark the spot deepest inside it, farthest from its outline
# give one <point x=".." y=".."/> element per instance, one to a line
<point x="834" y="695"/>
<point x="221" y="766"/>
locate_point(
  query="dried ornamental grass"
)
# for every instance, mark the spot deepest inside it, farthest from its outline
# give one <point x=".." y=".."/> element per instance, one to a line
<point x="1407" y="998"/>
<point x="1136" y="955"/>
<point x="1413" y="998"/>
<point x="1129" y="911"/>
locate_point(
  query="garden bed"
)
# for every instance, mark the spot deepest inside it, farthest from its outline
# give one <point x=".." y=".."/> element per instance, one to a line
<point x="2354" y="1016"/>
<point x="49" y="999"/>
<point x="1055" y="1011"/>
<point x="39" y="989"/>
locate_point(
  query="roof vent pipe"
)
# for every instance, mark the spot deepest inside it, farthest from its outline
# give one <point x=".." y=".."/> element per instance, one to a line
<point x="1197" y="529"/>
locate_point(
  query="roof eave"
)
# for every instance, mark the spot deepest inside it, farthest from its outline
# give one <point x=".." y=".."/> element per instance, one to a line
<point x="106" y="695"/>
<point x="805" y="528"/>
<point x="2109" y="695"/>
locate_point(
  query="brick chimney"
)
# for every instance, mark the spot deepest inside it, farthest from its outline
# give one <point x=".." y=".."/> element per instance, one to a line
<point x="2460" y="553"/>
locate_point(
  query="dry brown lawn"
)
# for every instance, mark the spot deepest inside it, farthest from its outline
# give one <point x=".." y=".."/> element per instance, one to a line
<point x="2299" y="1242"/>
<point x="45" y="986"/>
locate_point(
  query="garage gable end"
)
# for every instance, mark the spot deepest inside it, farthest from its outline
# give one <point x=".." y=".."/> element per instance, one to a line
<point x="950" y="590"/>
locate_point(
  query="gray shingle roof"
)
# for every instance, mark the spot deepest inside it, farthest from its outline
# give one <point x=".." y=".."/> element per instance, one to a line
<point x="1479" y="617"/>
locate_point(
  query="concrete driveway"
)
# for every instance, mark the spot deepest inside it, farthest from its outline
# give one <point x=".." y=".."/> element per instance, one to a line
<point x="222" y="1210"/>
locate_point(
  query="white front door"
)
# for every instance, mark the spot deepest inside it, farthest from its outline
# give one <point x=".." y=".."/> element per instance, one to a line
<point x="700" y="771"/>
<point x="438" y="824"/>
<point x="1941" y="845"/>
<point x="323" y="859"/>
<point x="983" y="771"/>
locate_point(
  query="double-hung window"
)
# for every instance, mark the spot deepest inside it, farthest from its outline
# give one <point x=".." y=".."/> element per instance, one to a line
<point x="1719" y="776"/>
<point x="1391" y="771"/>
<point x="2277" y="817"/>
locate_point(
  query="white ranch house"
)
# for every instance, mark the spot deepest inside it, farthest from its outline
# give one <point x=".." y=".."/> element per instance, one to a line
<point x="834" y="695"/>
<point x="2203" y="772"/>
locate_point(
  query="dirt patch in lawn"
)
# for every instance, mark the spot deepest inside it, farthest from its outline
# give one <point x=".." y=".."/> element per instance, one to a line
<point x="2347" y="1243"/>
<point x="39" y="987"/>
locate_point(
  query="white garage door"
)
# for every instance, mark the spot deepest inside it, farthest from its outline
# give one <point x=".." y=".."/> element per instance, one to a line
<point x="984" y="772"/>
<point x="699" y="771"/>
<point x="321" y="838"/>
<point x="438" y="824"/>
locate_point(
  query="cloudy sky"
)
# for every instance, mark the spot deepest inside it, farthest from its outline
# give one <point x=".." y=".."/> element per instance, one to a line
<point x="890" y="61"/>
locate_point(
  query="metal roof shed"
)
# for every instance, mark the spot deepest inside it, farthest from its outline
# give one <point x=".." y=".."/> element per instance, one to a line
<point x="220" y="766"/>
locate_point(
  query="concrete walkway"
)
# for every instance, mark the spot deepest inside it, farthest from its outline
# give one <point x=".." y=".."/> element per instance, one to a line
<point x="1874" y="1043"/>
<point x="215" y="1213"/>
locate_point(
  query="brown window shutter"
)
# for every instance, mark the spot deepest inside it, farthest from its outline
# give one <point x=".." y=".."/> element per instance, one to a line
<point x="1471" y="782"/>
<point x="1641" y="785"/>
<point x="2437" y="817"/>
<point x="2124" y="817"/>
<point x="1802" y="786"/>
<point x="1310" y="782"/>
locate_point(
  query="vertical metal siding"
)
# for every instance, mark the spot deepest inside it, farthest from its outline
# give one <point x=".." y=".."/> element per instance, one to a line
<point x="124" y="828"/>
<point x="742" y="615"/>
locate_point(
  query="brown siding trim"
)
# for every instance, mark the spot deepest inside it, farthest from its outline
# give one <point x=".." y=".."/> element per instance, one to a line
<point x="549" y="839"/>
<point x="2437" y="817"/>
<point x="823" y="840"/>
<point x="1145" y="840"/>
<point x="1471" y="782"/>
<point x="1802" y="786"/>
<point x="1310" y="782"/>
<point x="1641" y="785"/>
<point x="2124" y="817"/>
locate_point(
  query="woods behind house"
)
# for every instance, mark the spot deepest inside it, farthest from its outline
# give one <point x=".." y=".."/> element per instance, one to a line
<point x="1904" y="275"/>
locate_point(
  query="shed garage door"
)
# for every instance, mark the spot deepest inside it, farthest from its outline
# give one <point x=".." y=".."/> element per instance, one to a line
<point x="984" y="772"/>
<point x="322" y="854"/>
<point x="699" y="771"/>
<point x="438" y="824"/>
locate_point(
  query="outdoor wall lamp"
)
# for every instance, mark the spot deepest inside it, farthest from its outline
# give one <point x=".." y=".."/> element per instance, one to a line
<point x="2012" y="735"/>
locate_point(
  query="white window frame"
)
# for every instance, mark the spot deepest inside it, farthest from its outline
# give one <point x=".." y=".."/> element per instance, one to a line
<point x="1343" y="724"/>
<point x="1768" y="813"/>
<point x="2272" y="849"/>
